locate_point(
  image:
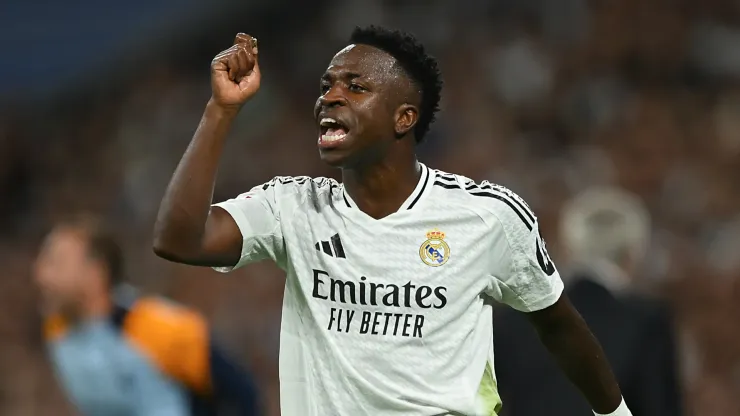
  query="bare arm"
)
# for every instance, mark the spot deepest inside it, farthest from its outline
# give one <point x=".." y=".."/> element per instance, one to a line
<point x="188" y="230"/>
<point x="564" y="333"/>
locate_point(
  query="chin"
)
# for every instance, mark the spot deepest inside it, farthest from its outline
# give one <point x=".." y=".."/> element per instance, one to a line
<point x="333" y="159"/>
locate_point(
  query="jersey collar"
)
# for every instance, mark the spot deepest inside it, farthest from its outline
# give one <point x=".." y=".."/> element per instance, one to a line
<point x="422" y="188"/>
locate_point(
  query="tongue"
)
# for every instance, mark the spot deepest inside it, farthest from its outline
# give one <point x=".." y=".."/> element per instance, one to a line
<point x="335" y="131"/>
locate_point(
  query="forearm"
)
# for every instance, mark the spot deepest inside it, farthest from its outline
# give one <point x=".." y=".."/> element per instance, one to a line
<point x="565" y="334"/>
<point x="184" y="210"/>
<point x="581" y="358"/>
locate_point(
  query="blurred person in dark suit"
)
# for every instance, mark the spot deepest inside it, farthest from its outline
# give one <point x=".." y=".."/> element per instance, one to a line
<point x="605" y="232"/>
<point x="116" y="353"/>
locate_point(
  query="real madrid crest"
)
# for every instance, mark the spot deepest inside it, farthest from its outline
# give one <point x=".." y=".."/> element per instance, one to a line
<point x="435" y="251"/>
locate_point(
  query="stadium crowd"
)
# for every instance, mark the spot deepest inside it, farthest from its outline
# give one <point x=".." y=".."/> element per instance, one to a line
<point x="547" y="99"/>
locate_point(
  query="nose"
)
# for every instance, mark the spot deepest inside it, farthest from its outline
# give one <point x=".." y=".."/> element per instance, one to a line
<point x="332" y="98"/>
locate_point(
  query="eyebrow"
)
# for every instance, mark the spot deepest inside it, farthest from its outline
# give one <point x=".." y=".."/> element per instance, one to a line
<point x="342" y="74"/>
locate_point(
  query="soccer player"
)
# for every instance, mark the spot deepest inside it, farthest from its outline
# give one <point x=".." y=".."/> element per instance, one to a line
<point x="390" y="272"/>
<point x="116" y="353"/>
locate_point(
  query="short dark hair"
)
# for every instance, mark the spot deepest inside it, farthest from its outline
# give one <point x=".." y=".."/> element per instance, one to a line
<point x="421" y="67"/>
<point x="101" y="242"/>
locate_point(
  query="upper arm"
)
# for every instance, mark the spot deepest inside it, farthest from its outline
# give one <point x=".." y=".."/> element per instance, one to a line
<point x="219" y="245"/>
<point x="522" y="274"/>
<point x="222" y="241"/>
<point x="251" y="222"/>
<point x="555" y="316"/>
<point x="238" y="231"/>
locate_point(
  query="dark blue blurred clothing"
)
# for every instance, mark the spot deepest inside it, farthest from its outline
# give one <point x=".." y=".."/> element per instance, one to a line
<point x="637" y="338"/>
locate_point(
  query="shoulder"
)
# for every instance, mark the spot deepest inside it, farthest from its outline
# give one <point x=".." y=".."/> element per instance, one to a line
<point x="173" y="337"/>
<point x="163" y="317"/>
<point x="298" y="182"/>
<point x="294" y="187"/>
<point x="496" y="203"/>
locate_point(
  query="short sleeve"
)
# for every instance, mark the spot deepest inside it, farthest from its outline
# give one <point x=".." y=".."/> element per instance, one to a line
<point x="257" y="214"/>
<point x="522" y="274"/>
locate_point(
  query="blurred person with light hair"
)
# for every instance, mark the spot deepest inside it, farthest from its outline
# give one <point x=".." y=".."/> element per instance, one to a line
<point x="605" y="233"/>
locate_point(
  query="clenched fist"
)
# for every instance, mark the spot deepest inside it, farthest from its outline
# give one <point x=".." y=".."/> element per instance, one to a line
<point x="235" y="74"/>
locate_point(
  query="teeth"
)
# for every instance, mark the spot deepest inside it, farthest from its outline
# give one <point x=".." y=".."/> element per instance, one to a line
<point x="327" y="122"/>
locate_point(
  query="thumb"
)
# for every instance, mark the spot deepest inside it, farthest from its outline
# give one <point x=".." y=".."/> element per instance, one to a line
<point x="256" y="70"/>
<point x="252" y="79"/>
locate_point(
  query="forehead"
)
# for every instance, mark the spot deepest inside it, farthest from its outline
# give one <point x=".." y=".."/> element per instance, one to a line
<point x="64" y="240"/>
<point x="364" y="61"/>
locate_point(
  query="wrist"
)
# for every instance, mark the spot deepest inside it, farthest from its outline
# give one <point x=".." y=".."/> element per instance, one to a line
<point x="622" y="410"/>
<point x="221" y="111"/>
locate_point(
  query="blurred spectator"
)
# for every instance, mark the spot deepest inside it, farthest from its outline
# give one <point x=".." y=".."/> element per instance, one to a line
<point x="605" y="233"/>
<point x="120" y="354"/>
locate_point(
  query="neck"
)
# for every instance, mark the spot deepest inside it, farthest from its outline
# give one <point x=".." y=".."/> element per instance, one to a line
<point x="91" y="308"/>
<point x="380" y="189"/>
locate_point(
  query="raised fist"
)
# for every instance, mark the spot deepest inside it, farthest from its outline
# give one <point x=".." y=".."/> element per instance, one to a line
<point x="235" y="74"/>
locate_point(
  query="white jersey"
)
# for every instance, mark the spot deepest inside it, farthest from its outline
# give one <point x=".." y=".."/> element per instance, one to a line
<point x="390" y="316"/>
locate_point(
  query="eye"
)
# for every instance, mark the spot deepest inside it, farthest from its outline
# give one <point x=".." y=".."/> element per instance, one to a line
<point x="325" y="87"/>
<point x="356" y="87"/>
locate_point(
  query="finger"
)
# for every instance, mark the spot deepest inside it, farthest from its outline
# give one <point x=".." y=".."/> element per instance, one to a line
<point x="241" y="56"/>
<point x="233" y="65"/>
<point x="256" y="69"/>
<point x="252" y="80"/>
<point x="249" y="41"/>
<point x="250" y="59"/>
<point x="243" y="38"/>
<point x="226" y="52"/>
<point x="221" y="61"/>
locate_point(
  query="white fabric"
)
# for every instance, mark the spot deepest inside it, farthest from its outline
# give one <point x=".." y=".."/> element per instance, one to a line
<point x="622" y="410"/>
<point x="369" y="327"/>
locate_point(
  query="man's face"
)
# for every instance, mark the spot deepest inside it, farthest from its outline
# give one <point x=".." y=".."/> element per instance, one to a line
<point x="63" y="269"/>
<point x="357" y="112"/>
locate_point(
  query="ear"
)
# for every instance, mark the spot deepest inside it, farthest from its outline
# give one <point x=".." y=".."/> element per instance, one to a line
<point x="406" y="117"/>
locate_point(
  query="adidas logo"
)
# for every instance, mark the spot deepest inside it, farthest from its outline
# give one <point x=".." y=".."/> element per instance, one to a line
<point x="333" y="247"/>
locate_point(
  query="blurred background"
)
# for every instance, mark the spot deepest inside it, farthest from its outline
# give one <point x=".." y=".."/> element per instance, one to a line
<point x="98" y="101"/>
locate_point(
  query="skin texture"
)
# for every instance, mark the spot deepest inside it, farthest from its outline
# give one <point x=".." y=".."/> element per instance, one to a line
<point x="366" y="91"/>
<point x="375" y="102"/>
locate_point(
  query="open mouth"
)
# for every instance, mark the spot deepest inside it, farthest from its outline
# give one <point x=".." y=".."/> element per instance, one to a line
<point x="332" y="131"/>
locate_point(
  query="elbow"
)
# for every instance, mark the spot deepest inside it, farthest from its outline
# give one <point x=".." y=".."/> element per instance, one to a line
<point x="171" y="250"/>
<point x="167" y="243"/>
<point x="178" y="253"/>
<point x="164" y="250"/>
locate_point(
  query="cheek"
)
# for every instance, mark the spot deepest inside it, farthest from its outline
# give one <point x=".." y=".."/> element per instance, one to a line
<point x="43" y="272"/>
<point x="55" y="277"/>
<point x="376" y="114"/>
